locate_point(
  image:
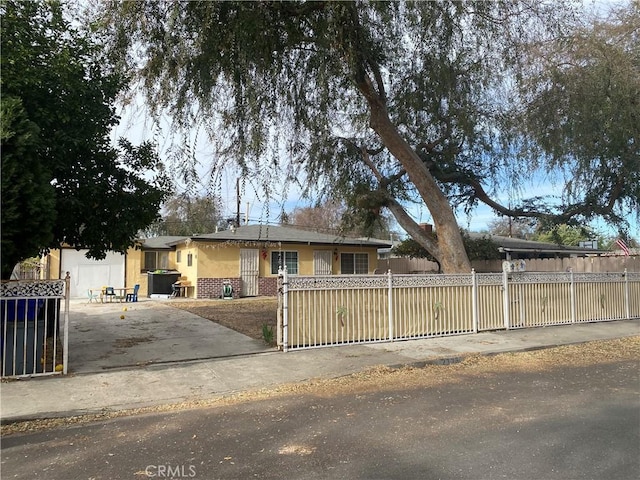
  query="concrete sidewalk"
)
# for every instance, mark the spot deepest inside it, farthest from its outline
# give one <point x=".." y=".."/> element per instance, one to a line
<point x="187" y="380"/>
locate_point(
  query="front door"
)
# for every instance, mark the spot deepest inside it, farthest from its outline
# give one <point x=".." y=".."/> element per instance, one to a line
<point x="249" y="272"/>
<point x="322" y="262"/>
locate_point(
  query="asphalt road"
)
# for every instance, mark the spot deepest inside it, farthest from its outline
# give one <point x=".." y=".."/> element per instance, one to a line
<point x="580" y="422"/>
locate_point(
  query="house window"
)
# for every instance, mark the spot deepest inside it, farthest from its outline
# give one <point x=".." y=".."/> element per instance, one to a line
<point x="178" y="256"/>
<point x="189" y="259"/>
<point x="322" y="262"/>
<point x="354" y="263"/>
<point x="156" y="260"/>
<point x="280" y="259"/>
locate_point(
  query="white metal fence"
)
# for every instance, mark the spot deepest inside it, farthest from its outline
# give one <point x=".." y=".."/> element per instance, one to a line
<point x="333" y="310"/>
<point x="35" y="327"/>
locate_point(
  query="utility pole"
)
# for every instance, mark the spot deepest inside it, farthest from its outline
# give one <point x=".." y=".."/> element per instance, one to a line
<point x="238" y="202"/>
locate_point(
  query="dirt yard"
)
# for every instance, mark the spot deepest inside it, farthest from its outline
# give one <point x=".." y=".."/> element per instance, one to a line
<point x="244" y="315"/>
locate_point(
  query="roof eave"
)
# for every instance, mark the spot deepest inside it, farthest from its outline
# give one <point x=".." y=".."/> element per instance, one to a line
<point x="550" y="250"/>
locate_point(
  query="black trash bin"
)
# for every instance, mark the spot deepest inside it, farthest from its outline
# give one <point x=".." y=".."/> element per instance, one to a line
<point x="159" y="283"/>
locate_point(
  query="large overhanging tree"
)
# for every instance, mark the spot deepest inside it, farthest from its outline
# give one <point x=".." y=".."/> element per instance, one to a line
<point x="62" y="181"/>
<point x="580" y="113"/>
<point x="380" y="103"/>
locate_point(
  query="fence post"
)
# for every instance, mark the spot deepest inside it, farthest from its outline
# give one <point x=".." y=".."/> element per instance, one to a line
<point x="390" y="299"/>
<point x="285" y="309"/>
<point x="279" y="311"/>
<point x="572" y="286"/>
<point x="627" y="300"/>
<point x="474" y="300"/>
<point x="65" y="340"/>
<point x="505" y="299"/>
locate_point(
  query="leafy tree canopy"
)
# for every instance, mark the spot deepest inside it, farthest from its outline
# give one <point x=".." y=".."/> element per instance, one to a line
<point x="186" y="215"/>
<point x="379" y="104"/>
<point x="333" y="216"/>
<point x="28" y="199"/>
<point x="567" y="235"/>
<point x="480" y="248"/>
<point x="62" y="181"/>
<point x="580" y="113"/>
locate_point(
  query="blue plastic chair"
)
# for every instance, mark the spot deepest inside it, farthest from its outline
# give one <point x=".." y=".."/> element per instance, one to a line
<point x="133" y="297"/>
<point x="110" y="293"/>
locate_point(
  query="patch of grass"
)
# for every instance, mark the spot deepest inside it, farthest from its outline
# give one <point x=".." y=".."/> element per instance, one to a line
<point x="244" y="315"/>
<point x="267" y="334"/>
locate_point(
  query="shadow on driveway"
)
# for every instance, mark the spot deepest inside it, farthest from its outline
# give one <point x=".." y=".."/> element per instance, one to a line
<point x="151" y="332"/>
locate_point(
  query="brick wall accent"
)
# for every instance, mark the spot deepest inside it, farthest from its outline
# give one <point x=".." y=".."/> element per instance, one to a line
<point x="212" y="287"/>
<point x="268" y="286"/>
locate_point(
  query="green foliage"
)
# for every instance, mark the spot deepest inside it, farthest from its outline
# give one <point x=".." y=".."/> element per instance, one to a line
<point x="482" y="248"/>
<point x="566" y="235"/>
<point x="341" y="313"/>
<point x="438" y="308"/>
<point x="267" y="334"/>
<point x="28" y="200"/>
<point x="185" y="215"/>
<point x="581" y="114"/>
<point x="62" y="180"/>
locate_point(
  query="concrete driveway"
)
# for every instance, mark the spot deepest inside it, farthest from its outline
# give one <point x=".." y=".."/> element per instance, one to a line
<point x="151" y="332"/>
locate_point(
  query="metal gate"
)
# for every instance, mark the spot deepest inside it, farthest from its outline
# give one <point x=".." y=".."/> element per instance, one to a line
<point x="249" y="272"/>
<point x="35" y="327"/>
<point x="346" y="309"/>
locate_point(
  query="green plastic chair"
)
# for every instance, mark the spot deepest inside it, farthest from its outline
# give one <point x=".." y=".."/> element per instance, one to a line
<point x="92" y="296"/>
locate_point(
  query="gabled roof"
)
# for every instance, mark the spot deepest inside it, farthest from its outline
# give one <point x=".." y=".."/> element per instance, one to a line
<point x="271" y="233"/>
<point x="165" y="242"/>
<point x="510" y="244"/>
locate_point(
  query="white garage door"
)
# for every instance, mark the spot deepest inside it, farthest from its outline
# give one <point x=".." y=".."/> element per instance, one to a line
<point x="88" y="273"/>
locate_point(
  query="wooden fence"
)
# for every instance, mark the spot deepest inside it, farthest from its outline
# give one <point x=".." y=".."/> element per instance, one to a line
<point x="591" y="264"/>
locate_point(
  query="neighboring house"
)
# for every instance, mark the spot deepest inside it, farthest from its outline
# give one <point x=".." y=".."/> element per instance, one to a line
<point x="533" y="256"/>
<point x="248" y="258"/>
<point x="510" y="249"/>
<point x="519" y="249"/>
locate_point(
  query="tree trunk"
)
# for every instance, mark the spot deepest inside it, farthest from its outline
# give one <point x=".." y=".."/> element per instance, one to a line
<point x="450" y="251"/>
